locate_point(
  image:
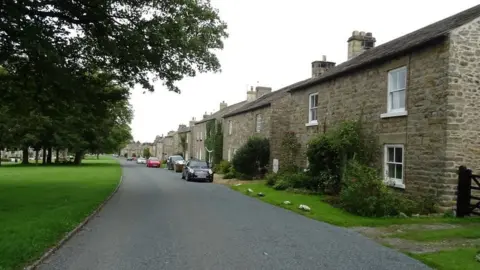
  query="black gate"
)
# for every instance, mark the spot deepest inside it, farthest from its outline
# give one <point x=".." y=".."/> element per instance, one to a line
<point x="467" y="204"/>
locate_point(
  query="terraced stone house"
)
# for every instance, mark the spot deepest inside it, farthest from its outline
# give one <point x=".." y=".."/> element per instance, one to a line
<point x="200" y="128"/>
<point x="419" y="93"/>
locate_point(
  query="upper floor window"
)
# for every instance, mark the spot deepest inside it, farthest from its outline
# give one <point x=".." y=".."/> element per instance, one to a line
<point x="230" y="127"/>
<point x="397" y="84"/>
<point x="258" y="123"/>
<point x="312" y="107"/>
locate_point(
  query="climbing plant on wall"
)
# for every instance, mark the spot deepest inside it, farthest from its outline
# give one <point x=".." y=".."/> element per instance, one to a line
<point x="214" y="141"/>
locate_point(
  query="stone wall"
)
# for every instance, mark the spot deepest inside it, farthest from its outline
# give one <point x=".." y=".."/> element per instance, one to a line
<point x="198" y="140"/>
<point x="168" y="146"/>
<point x="422" y="131"/>
<point x="244" y="127"/>
<point x="463" y="103"/>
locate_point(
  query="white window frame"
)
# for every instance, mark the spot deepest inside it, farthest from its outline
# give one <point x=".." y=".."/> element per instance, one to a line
<point x="258" y="122"/>
<point x="230" y="127"/>
<point x="395" y="182"/>
<point x="201" y="135"/>
<point x="311" y="121"/>
<point x="200" y="157"/>
<point x="229" y="156"/>
<point x="391" y="89"/>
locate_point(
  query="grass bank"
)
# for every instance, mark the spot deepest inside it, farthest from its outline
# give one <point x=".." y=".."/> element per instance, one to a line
<point x="40" y="204"/>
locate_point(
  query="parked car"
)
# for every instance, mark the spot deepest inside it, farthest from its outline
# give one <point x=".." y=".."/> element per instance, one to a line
<point x="153" y="162"/>
<point x="141" y="160"/>
<point x="172" y="160"/>
<point x="197" y="170"/>
<point x="129" y="158"/>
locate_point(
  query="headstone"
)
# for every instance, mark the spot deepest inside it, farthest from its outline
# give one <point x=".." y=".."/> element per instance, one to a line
<point x="275" y="165"/>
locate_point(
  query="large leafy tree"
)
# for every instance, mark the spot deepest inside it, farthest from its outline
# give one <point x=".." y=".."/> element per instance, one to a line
<point x="133" y="39"/>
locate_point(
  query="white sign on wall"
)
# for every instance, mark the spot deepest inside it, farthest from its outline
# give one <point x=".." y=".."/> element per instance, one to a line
<point x="275" y="165"/>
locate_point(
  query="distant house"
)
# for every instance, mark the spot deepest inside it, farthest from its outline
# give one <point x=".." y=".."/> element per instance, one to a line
<point x="200" y="149"/>
<point x="419" y="93"/>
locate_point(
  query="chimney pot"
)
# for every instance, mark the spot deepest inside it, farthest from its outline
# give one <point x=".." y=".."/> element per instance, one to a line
<point x="359" y="42"/>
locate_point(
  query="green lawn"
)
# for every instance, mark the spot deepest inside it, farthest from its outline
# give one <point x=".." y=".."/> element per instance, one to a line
<point x="40" y="204"/>
<point x="458" y="259"/>
<point x="323" y="211"/>
<point x="467" y="232"/>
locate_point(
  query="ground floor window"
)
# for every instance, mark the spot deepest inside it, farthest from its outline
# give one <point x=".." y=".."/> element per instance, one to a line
<point x="229" y="154"/>
<point x="394" y="164"/>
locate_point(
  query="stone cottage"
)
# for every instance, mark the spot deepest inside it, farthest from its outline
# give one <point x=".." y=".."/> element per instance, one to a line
<point x="419" y="93"/>
<point x="168" y="142"/>
<point x="182" y="141"/>
<point x="200" y="128"/>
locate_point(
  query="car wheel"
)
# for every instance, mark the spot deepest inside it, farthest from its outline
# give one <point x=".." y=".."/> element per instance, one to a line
<point x="188" y="178"/>
<point x="183" y="177"/>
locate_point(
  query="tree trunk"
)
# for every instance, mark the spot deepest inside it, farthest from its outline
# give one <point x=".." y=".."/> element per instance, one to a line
<point x="44" y="156"/>
<point x="78" y="158"/>
<point x="98" y="156"/>
<point x="49" y="156"/>
<point x="57" y="156"/>
<point x="25" y="155"/>
<point x="36" y="156"/>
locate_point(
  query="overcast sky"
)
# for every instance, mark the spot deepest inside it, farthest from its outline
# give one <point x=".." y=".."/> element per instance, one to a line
<point x="273" y="42"/>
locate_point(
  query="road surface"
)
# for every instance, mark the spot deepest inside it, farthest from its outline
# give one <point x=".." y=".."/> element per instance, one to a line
<point x="158" y="221"/>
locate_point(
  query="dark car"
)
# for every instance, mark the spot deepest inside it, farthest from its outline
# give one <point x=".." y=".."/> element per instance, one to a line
<point x="129" y="158"/>
<point x="172" y="160"/>
<point x="197" y="170"/>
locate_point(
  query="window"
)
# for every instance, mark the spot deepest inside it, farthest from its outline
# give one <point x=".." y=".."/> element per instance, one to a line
<point x="258" y="123"/>
<point x="230" y="127"/>
<point x="200" y="157"/>
<point x="394" y="159"/>
<point x="397" y="83"/>
<point x="201" y="135"/>
<point x="229" y="154"/>
<point x="234" y="151"/>
<point x="312" y="108"/>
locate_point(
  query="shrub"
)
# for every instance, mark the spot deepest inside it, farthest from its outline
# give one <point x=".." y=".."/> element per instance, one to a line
<point x="252" y="158"/>
<point x="230" y="174"/>
<point x="282" y="184"/>
<point x="365" y="194"/>
<point x="224" y="167"/>
<point x="329" y="153"/>
<point x="271" y="179"/>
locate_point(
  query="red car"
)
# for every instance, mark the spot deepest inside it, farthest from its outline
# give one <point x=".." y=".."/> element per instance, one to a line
<point x="153" y="162"/>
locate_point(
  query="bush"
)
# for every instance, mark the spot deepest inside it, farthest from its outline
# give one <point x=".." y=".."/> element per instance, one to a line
<point x="252" y="158"/>
<point x="365" y="194"/>
<point x="223" y="167"/>
<point x="329" y="153"/>
<point x="230" y="174"/>
<point x="271" y="179"/>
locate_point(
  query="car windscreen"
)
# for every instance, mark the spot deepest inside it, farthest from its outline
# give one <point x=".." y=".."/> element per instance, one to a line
<point x="153" y="159"/>
<point x="198" y="164"/>
<point x="175" y="158"/>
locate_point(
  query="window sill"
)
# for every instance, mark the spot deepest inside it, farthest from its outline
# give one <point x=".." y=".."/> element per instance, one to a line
<point x="312" y="123"/>
<point x="394" y="183"/>
<point x="393" y="114"/>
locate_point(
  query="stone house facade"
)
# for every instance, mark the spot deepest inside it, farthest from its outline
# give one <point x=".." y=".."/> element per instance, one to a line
<point x="418" y="93"/>
<point x="199" y="134"/>
<point x="168" y="142"/>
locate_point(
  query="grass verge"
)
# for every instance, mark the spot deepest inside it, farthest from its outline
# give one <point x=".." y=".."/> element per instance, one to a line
<point x="40" y="204"/>
<point x="323" y="211"/>
<point x="458" y="259"/>
<point x="466" y="232"/>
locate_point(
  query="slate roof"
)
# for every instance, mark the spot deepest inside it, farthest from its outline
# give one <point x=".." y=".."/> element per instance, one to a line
<point x="183" y="129"/>
<point x="397" y="46"/>
<point x="263" y="101"/>
<point x="222" y="112"/>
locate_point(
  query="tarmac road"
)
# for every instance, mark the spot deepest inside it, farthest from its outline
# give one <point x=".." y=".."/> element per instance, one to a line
<point x="158" y="221"/>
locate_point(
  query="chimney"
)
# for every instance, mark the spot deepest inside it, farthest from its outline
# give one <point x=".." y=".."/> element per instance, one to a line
<point x="262" y="90"/>
<point x="192" y="122"/>
<point x="319" y="67"/>
<point x="205" y="115"/>
<point x="251" y="95"/>
<point x="360" y="42"/>
<point x="181" y="126"/>
<point x="223" y="105"/>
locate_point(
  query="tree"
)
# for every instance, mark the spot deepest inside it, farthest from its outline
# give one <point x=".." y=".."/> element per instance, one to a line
<point x="169" y="39"/>
<point x="252" y="158"/>
<point x="146" y="152"/>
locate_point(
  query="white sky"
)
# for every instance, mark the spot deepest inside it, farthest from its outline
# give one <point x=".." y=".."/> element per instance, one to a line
<point x="274" y="42"/>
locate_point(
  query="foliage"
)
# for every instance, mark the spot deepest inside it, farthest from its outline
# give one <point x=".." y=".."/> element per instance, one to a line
<point x="290" y="148"/>
<point x="214" y="140"/>
<point x="224" y="167"/>
<point x="183" y="143"/>
<point x="329" y="153"/>
<point x="146" y="152"/>
<point x="231" y="174"/>
<point x="292" y="180"/>
<point x="252" y="158"/>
